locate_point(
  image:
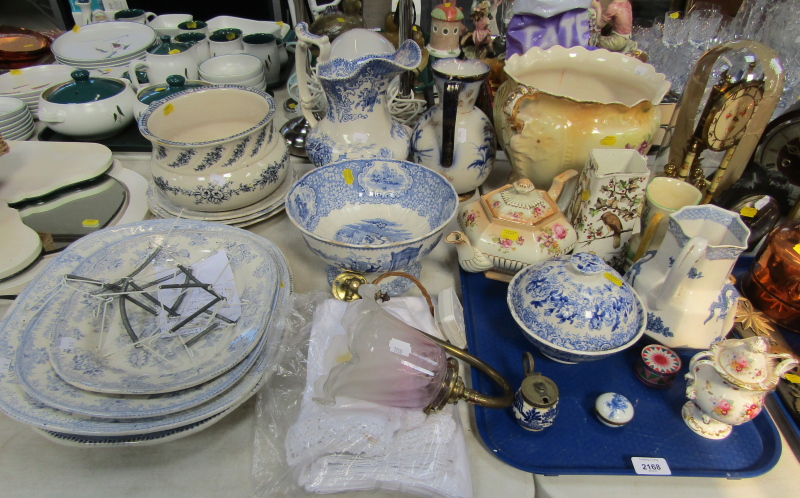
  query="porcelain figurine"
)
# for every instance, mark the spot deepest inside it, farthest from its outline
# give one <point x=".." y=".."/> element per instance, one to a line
<point x="536" y="402"/>
<point x="354" y="71"/>
<point x="685" y="284"/>
<point x="618" y="13"/>
<point x="446" y="31"/>
<point x="512" y="227"/>
<point x="559" y="104"/>
<point x="727" y="384"/>
<point x="455" y="138"/>
<point x="607" y="203"/>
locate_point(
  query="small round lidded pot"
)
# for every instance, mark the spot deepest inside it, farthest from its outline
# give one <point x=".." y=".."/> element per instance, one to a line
<point x="613" y="409"/>
<point x="658" y="366"/>
<point x="536" y="402"/>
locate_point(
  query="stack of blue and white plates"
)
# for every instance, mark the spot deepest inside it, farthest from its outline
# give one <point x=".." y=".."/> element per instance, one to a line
<point x="73" y="371"/>
<point x="16" y="120"/>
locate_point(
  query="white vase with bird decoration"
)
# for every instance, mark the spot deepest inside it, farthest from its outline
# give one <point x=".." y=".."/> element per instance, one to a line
<point x="607" y="202"/>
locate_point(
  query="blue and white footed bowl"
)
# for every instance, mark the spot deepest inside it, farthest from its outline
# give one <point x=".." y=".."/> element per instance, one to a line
<point x="576" y="308"/>
<point x="372" y="215"/>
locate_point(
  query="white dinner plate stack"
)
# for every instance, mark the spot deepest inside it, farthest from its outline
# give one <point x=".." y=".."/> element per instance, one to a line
<point x="69" y="364"/>
<point x="266" y="208"/>
<point x="28" y="83"/>
<point x="16" y="120"/>
<point x="106" y="44"/>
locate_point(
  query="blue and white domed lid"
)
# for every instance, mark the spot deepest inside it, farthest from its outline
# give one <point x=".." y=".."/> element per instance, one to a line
<point x="577" y="302"/>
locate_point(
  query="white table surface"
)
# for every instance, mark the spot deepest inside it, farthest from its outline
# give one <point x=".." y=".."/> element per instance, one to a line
<point x="217" y="461"/>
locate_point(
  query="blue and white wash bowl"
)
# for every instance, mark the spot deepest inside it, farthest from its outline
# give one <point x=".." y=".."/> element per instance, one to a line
<point x="215" y="147"/>
<point x="372" y="215"/>
<point x="576" y="308"/>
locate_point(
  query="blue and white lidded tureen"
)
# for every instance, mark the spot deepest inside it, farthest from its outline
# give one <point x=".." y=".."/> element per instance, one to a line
<point x="576" y="308"/>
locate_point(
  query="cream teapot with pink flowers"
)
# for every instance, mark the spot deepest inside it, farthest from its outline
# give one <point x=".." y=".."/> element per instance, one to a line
<point x="512" y="227"/>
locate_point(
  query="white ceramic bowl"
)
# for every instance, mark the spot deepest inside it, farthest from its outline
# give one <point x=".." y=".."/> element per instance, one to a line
<point x="371" y="215"/>
<point x="237" y="187"/>
<point x="254" y="82"/>
<point x="209" y="129"/>
<point x="576" y="308"/>
<point x="231" y="68"/>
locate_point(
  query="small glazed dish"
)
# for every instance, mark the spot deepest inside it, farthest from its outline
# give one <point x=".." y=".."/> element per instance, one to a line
<point x="88" y="108"/>
<point x="576" y="308"/>
<point x="613" y="410"/>
<point x="657" y="366"/>
<point x="371" y="215"/>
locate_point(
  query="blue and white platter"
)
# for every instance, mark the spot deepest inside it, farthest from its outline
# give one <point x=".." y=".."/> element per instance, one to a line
<point x="101" y="357"/>
<point x="16" y="403"/>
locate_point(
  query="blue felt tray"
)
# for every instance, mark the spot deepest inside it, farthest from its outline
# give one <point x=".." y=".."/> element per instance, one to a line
<point x="578" y="443"/>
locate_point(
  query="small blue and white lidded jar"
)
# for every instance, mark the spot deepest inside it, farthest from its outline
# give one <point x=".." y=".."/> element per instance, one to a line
<point x="613" y="409"/>
<point x="536" y="402"/>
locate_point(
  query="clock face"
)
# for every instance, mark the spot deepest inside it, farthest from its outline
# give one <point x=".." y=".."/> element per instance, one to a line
<point x="730" y="115"/>
<point x="780" y="150"/>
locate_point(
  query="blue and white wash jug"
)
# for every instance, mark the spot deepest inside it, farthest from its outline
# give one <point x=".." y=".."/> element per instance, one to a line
<point x="685" y="284"/>
<point x="354" y="72"/>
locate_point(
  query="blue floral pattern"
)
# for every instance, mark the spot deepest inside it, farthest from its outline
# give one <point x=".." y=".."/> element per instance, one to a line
<point x="214" y="193"/>
<point x="533" y="418"/>
<point x="656" y="325"/>
<point x="600" y="314"/>
<point x="426" y="199"/>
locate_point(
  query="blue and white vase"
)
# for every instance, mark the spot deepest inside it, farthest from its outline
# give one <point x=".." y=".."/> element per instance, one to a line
<point x="455" y="138"/>
<point x="354" y="72"/>
<point x="685" y="284"/>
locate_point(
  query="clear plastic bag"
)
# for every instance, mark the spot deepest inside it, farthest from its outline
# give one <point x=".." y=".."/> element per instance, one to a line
<point x="302" y="446"/>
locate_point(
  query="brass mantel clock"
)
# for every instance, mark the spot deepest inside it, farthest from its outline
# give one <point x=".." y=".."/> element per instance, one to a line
<point x="733" y="118"/>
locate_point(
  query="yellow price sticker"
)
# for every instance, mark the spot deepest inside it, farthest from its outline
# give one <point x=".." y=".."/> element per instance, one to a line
<point x="191" y="25"/>
<point x="168" y="109"/>
<point x="447" y="4"/>
<point x="340" y="19"/>
<point x="89" y="223"/>
<point x="347" y="174"/>
<point x="675" y="15"/>
<point x="509" y="234"/>
<point x="794" y="379"/>
<point x="16" y="72"/>
<point x="230" y="36"/>
<point x="585" y="195"/>
<point x="796" y="248"/>
<point x="292" y="105"/>
<point x="748" y="212"/>
<point x="608" y="141"/>
<point x="279" y="23"/>
<point x="174" y="51"/>
<point x="413" y="28"/>
<point x="160" y="89"/>
<point x="613" y="279"/>
<point x="76" y="28"/>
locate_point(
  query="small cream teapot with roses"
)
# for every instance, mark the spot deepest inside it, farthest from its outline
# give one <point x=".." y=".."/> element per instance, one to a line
<point x="513" y="227"/>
